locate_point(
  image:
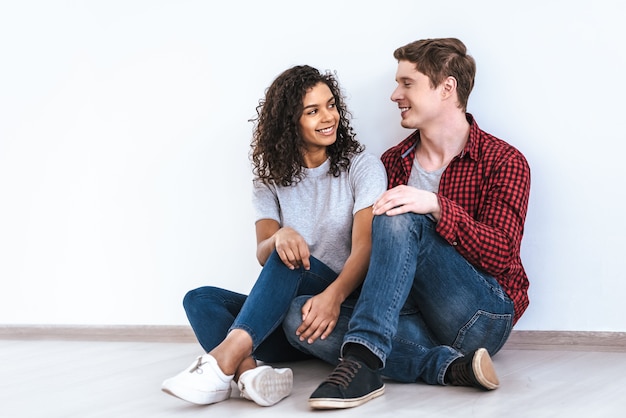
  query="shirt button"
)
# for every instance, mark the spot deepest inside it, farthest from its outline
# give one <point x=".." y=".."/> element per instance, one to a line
<point x="454" y="243"/>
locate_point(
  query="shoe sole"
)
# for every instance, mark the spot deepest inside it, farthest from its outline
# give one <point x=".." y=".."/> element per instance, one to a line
<point x="484" y="371"/>
<point x="333" y="403"/>
<point x="195" y="396"/>
<point x="269" y="387"/>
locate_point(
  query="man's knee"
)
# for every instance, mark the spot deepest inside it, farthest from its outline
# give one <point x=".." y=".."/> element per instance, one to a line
<point x="398" y="224"/>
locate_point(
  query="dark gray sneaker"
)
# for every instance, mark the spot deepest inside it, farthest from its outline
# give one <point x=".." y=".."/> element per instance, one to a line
<point x="475" y="369"/>
<point x="351" y="384"/>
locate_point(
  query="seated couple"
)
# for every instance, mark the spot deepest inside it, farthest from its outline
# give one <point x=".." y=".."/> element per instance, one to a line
<point x="406" y="269"/>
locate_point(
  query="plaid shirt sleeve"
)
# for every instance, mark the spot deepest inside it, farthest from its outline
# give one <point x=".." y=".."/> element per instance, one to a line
<point x="489" y="235"/>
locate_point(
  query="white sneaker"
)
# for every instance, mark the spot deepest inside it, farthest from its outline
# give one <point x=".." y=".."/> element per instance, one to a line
<point x="202" y="383"/>
<point x="265" y="385"/>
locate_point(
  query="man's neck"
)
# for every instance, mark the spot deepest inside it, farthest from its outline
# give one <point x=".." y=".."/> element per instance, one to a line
<point x="441" y="142"/>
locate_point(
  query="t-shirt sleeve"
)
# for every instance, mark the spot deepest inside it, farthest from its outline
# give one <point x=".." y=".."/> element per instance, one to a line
<point x="368" y="180"/>
<point x="265" y="202"/>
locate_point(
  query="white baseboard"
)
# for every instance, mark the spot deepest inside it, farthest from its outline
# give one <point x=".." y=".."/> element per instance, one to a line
<point x="567" y="340"/>
<point x="519" y="340"/>
<point x="147" y="333"/>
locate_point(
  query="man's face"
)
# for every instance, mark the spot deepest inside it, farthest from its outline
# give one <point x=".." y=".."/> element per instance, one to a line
<point x="418" y="101"/>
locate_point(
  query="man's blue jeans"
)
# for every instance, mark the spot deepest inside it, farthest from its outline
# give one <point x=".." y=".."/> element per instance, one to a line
<point x="213" y="312"/>
<point x="422" y="305"/>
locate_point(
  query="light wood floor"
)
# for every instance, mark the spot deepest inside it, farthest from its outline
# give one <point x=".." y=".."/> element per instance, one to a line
<point x="65" y="379"/>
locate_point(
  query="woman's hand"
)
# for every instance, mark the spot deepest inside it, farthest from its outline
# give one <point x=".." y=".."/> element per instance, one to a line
<point x="319" y="317"/>
<point x="290" y="246"/>
<point x="292" y="249"/>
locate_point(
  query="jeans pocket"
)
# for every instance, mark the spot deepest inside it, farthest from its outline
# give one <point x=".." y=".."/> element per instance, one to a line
<point x="484" y="330"/>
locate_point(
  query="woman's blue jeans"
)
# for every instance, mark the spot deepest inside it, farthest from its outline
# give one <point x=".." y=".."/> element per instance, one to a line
<point x="422" y="305"/>
<point x="213" y="312"/>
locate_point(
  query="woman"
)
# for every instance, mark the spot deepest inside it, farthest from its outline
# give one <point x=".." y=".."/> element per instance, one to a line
<point x="313" y="191"/>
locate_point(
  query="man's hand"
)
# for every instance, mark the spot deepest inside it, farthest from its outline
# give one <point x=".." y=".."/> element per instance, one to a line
<point x="403" y="199"/>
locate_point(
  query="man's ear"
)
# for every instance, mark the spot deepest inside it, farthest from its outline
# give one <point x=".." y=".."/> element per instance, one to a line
<point x="448" y="87"/>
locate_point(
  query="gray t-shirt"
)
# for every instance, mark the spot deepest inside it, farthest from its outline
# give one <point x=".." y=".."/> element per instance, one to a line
<point x="425" y="180"/>
<point x="321" y="207"/>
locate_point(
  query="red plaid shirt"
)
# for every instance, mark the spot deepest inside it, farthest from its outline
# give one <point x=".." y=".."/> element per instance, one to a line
<point x="483" y="195"/>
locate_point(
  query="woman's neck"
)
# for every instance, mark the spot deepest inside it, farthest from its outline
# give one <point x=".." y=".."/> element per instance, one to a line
<point x="315" y="158"/>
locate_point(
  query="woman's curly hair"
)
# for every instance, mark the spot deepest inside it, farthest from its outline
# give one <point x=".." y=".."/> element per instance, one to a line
<point x="277" y="142"/>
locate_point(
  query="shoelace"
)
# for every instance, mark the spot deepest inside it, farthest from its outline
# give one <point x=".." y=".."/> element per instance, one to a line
<point x="344" y="373"/>
<point x="198" y="367"/>
<point x="460" y="375"/>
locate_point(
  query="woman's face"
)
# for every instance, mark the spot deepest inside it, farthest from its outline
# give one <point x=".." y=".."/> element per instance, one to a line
<point x="319" y="119"/>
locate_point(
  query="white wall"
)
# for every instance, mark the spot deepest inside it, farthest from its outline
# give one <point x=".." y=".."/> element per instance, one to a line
<point x="124" y="137"/>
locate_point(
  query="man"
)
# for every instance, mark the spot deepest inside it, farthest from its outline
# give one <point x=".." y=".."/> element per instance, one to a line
<point x="445" y="283"/>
